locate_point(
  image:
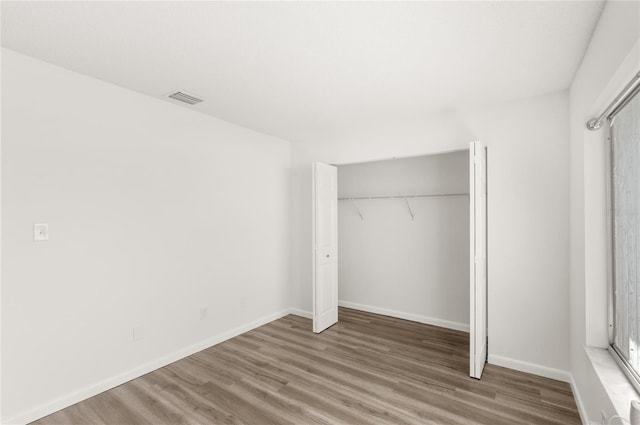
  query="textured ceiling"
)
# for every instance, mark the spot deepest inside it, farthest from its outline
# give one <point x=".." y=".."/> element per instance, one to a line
<point x="309" y="71"/>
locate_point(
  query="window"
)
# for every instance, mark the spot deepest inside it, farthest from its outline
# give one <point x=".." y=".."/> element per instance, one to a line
<point x="624" y="138"/>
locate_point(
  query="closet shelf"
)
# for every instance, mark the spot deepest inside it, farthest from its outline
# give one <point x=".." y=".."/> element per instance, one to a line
<point x="406" y="198"/>
<point x="439" y="195"/>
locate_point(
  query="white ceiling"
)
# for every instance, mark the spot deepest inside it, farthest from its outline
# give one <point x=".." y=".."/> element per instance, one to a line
<point x="309" y="71"/>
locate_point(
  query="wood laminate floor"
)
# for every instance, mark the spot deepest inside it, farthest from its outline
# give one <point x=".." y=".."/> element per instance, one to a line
<point x="367" y="369"/>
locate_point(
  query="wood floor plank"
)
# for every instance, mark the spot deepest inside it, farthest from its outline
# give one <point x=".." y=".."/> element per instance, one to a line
<point x="366" y="369"/>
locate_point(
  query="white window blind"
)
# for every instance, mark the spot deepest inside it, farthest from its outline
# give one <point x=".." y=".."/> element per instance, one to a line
<point x="625" y="199"/>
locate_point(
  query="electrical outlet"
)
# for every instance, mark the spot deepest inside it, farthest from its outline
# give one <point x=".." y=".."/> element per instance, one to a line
<point x="603" y="418"/>
<point x="204" y="312"/>
<point x="40" y="232"/>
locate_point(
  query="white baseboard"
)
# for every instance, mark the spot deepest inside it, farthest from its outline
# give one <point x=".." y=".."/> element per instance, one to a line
<point x="99" y="387"/>
<point x="582" y="411"/>
<point x="107" y="384"/>
<point x="407" y="316"/>
<point x="547" y="372"/>
<point x="302" y="313"/>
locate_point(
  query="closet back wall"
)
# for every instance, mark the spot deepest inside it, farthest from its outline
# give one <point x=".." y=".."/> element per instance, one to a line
<point x="417" y="269"/>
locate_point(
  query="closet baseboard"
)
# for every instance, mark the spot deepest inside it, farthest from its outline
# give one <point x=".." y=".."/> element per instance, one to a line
<point x="407" y="316"/>
<point x="302" y="313"/>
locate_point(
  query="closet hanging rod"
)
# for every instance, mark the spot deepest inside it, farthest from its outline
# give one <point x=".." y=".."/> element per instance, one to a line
<point x="442" y="195"/>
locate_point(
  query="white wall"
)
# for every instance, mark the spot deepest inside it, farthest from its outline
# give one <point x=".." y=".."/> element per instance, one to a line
<point x="411" y="268"/>
<point x="612" y="59"/>
<point x="155" y="212"/>
<point x="528" y="202"/>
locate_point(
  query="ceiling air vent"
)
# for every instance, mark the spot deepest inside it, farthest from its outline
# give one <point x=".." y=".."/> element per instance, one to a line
<point x="184" y="97"/>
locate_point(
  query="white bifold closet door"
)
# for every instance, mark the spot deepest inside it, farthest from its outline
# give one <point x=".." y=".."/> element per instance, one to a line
<point x="325" y="246"/>
<point x="478" y="259"/>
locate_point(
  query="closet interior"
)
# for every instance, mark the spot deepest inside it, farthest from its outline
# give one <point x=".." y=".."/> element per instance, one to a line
<point x="403" y="238"/>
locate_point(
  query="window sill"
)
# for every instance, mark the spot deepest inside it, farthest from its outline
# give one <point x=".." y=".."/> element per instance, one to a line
<point x="615" y="383"/>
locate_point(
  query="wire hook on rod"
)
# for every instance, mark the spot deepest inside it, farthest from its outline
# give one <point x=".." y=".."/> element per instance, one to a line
<point x="355" y="204"/>
<point x="409" y="207"/>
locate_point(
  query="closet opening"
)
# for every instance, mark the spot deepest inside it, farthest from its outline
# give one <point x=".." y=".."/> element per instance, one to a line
<point x="401" y="238"/>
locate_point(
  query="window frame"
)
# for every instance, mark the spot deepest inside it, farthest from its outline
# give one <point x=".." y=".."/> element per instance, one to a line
<point x="632" y="375"/>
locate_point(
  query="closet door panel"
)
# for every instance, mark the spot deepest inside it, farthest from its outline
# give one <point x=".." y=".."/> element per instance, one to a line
<point x="325" y="246"/>
<point x="478" y="259"/>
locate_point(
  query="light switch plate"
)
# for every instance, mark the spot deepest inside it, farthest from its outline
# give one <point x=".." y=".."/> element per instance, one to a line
<point x="41" y="232"/>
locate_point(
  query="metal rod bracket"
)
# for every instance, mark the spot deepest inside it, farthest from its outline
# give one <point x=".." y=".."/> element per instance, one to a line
<point x="627" y="92"/>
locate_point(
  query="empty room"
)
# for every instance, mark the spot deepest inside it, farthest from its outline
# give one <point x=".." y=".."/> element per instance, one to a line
<point x="306" y="212"/>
